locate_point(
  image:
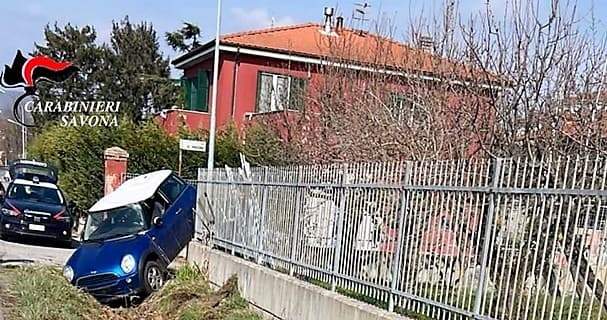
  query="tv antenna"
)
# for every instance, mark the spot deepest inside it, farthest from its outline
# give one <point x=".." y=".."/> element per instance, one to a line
<point x="360" y="14"/>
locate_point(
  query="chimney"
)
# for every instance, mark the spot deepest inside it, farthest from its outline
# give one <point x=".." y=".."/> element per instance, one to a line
<point x="329" y="11"/>
<point x="340" y="24"/>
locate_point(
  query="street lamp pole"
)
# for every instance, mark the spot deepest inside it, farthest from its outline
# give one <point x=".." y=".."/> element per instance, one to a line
<point x="213" y="118"/>
<point x="23" y="137"/>
<point x="23" y="140"/>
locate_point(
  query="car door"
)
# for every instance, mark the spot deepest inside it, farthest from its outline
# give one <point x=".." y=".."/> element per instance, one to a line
<point x="186" y="201"/>
<point x="163" y="235"/>
<point x="182" y="203"/>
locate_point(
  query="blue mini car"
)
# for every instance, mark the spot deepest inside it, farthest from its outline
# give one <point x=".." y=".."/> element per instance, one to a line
<point x="131" y="235"/>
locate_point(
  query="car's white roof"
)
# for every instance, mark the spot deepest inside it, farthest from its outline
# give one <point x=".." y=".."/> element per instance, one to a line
<point x="132" y="191"/>
<point x="38" y="184"/>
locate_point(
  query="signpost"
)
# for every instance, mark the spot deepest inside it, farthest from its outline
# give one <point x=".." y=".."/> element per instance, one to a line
<point x="190" y="145"/>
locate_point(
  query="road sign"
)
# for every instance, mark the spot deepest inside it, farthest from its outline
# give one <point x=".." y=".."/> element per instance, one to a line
<point x="192" y="145"/>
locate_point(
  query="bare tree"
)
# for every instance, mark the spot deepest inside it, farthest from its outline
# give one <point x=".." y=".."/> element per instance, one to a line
<point x="527" y="81"/>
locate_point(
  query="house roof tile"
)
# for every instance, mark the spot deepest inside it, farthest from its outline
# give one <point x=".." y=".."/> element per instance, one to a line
<point x="346" y="44"/>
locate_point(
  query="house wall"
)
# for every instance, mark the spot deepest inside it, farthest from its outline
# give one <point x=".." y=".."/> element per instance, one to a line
<point x="237" y="95"/>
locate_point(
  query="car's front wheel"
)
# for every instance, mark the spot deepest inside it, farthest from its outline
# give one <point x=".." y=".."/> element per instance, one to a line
<point x="153" y="277"/>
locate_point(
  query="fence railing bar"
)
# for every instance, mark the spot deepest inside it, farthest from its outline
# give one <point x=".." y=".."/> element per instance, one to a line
<point x="399" y="244"/>
<point x="443" y="306"/>
<point x="527" y="190"/>
<point x="262" y="217"/>
<point x="303" y="265"/>
<point x="296" y="223"/>
<point x="420" y="241"/>
<point x="340" y="227"/>
<point x="482" y="284"/>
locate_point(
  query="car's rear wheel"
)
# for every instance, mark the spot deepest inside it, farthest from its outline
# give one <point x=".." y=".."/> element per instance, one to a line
<point x="153" y="277"/>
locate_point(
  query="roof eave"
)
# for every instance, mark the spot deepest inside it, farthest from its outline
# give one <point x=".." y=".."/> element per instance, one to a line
<point x="228" y="46"/>
<point x="186" y="57"/>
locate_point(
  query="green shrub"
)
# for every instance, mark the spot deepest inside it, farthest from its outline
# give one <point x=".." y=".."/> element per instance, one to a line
<point x="43" y="293"/>
<point x="78" y="152"/>
<point x="263" y="146"/>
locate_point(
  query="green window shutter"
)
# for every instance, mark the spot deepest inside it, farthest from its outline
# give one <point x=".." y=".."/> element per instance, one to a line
<point x="193" y="93"/>
<point x="186" y="83"/>
<point x="203" y="91"/>
<point x="297" y="93"/>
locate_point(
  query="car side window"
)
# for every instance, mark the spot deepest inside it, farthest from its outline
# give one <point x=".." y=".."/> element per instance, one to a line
<point x="172" y="188"/>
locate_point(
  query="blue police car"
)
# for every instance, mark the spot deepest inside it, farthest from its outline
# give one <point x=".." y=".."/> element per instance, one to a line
<point x="30" y="169"/>
<point x="35" y="208"/>
<point x="131" y="235"/>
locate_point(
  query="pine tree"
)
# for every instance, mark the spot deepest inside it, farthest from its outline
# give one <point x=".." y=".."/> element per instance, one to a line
<point x="78" y="46"/>
<point x="178" y="39"/>
<point x="142" y="71"/>
<point x="130" y="69"/>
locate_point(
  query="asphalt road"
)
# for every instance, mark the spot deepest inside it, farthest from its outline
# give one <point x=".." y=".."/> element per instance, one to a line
<point x="33" y="251"/>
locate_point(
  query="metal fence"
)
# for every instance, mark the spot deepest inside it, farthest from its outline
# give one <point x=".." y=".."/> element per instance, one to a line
<point x="501" y="238"/>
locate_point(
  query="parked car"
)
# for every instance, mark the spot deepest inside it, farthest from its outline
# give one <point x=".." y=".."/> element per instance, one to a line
<point x="131" y="236"/>
<point x="28" y="169"/>
<point x="35" y="208"/>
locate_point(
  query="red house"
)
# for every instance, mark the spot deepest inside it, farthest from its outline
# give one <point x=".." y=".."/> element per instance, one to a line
<point x="264" y="71"/>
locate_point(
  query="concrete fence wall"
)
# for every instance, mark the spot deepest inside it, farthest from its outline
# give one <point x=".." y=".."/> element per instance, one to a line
<point x="280" y="296"/>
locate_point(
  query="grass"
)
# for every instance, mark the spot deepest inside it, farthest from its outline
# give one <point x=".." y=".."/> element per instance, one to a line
<point x="561" y="307"/>
<point x="188" y="296"/>
<point x="366" y="299"/>
<point x="42" y="293"/>
<point x="461" y="300"/>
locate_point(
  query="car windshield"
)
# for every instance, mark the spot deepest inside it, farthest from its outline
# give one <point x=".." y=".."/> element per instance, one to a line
<point x="117" y="222"/>
<point x="35" y="193"/>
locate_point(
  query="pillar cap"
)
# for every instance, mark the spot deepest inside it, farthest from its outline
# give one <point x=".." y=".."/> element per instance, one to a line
<point x="115" y="153"/>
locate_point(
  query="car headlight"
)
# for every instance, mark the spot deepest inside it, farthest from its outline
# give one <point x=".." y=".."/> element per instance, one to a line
<point x="128" y="263"/>
<point x="68" y="273"/>
<point x="10" y="212"/>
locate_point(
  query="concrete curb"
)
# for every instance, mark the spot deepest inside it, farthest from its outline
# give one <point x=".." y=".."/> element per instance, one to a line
<point x="281" y="296"/>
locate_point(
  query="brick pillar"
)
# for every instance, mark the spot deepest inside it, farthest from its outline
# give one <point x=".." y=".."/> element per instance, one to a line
<point x="116" y="160"/>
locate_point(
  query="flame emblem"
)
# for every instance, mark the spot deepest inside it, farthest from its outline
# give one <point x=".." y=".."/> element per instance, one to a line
<point x="27" y="72"/>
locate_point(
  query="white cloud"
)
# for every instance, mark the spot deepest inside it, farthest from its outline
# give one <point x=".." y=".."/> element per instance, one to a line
<point x="258" y="18"/>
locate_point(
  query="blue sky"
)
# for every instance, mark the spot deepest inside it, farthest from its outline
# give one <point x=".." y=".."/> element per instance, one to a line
<point x="22" y="22"/>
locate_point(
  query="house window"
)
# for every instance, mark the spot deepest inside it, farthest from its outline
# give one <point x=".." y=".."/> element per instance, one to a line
<point x="406" y="111"/>
<point x="197" y="91"/>
<point x="278" y="92"/>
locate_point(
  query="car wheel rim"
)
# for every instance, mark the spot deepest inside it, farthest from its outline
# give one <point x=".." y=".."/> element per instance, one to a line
<point x="155" y="278"/>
